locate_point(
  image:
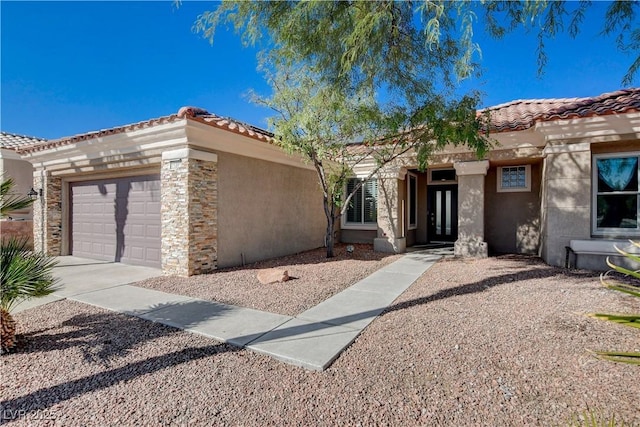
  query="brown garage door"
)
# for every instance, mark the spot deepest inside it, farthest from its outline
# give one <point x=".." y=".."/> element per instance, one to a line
<point x="117" y="219"/>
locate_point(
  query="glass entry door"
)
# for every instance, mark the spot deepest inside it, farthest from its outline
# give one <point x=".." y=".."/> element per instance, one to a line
<point x="442" y="215"/>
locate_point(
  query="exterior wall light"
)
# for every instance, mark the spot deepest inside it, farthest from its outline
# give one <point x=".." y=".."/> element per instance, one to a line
<point x="33" y="194"/>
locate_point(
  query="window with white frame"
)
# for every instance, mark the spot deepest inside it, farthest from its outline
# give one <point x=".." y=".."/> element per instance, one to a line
<point x="362" y="211"/>
<point x="616" y="194"/>
<point x="514" y="178"/>
<point x="412" y="201"/>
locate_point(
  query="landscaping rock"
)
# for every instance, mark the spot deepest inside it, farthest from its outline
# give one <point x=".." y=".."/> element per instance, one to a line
<point x="273" y="275"/>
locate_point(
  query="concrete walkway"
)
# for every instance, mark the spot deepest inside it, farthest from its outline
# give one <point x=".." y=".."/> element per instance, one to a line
<point x="313" y="339"/>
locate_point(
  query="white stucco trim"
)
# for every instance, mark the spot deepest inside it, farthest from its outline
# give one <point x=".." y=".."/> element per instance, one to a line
<point x="612" y="126"/>
<point x="566" y="148"/>
<point x="125" y="147"/>
<point x="201" y="135"/>
<point x="393" y="172"/>
<point x="189" y="153"/>
<point x="9" y="154"/>
<point x="478" y="167"/>
<point x="146" y="146"/>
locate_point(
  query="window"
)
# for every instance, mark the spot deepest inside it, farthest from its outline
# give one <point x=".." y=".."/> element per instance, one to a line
<point x="412" y="200"/>
<point x="514" y="178"/>
<point x="442" y="176"/>
<point x="615" y="198"/>
<point x="362" y="211"/>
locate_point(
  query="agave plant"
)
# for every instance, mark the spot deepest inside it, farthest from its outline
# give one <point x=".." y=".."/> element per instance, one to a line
<point x="632" y="320"/>
<point x="24" y="273"/>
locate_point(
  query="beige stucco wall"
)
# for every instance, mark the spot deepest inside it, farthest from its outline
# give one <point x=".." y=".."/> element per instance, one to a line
<point x="566" y="198"/>
<point x="348" y="235"/>
<point x="512" y="219"/>
<point x="471" y="193"/>
<point x="22" y="174"/>
<point x="266" y="210"/>
<point x="390" y="220"/>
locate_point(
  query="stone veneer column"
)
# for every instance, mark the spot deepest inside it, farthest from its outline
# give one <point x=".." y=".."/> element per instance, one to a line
<point x="390" y="234"/>
<point x="566" y="198"/>
<point x="47" y="213"/>
<point x="189" y="212"/>
<point x="471" y="176"/>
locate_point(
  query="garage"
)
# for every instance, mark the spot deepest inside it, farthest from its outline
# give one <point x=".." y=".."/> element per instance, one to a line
<point x="117" y="219"/>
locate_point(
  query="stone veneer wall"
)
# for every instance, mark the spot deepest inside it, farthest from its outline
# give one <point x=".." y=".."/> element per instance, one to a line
<point x="47" y="214"/>
<point x="189" y="216"/>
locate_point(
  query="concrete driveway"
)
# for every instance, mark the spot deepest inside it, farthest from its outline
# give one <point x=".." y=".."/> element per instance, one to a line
<point x="81" y="275"/>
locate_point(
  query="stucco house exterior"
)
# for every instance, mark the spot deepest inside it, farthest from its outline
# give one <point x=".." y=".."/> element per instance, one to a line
<point x="19" y="224"/>
<point x="562" y="173"/>
<point x="192" y="192"/>
<point x="188" y="193"/>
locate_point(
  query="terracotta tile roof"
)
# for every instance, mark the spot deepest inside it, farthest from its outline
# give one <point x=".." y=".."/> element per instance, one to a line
<point x="13" y="141"/>
<point x="226" y="123"/>
<point x="191" y="113"/>
<point x="523" y="114"/>
<point x="511" y="116"/>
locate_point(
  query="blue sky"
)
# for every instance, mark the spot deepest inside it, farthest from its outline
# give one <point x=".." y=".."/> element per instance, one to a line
<point x="73" y="67"/>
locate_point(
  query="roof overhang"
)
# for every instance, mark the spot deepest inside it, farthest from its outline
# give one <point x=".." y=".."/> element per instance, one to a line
<point x="603" y="128"/>
<point x="142" y="147"/>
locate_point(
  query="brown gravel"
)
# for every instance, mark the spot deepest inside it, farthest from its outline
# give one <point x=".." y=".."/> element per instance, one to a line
<point x="314" y="278"/>
<point x="495" y="342"/>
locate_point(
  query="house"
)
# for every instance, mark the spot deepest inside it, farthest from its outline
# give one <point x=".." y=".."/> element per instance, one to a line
<point x="563" y="173"/>
<point x="193" y="191"/>
<point x="19" y="223"/>
<point x="188" y="193"/>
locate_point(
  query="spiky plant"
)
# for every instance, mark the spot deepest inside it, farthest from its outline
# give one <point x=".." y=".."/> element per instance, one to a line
<point x="632" y="320"/>
<point x="24" y="274"/>
<point x="10" y="201"/>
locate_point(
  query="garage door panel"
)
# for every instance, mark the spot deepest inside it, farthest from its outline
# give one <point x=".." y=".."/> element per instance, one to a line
<point x="117" y="220"/>
<point x="154" y="231"/>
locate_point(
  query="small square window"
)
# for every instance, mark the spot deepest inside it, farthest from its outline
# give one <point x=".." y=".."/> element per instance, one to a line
<point x="514" y="178"/>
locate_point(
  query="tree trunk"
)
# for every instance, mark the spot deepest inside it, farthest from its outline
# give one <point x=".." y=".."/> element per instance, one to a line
<point x="7" y="331"/>
<point x="329" y="236"/>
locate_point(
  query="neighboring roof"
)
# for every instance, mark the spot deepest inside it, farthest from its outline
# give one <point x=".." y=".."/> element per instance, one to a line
<point x="13" y="141"/>
<point x="192" y="113"/>
<point x="523" y="114"/>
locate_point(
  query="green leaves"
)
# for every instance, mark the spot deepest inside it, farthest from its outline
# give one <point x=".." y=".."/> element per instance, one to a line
<point x="9" y="201"/>
<point x="371" y="81"/>
<point x="616" y="356"/>
<point x="632" y="320"/>
<point x="24" y="274"/>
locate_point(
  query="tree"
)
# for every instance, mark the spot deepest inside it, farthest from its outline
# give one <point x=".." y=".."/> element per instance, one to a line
<point x="325" y="126"/>
<point x="385" y="73"/>
<point x="24" y="273"/>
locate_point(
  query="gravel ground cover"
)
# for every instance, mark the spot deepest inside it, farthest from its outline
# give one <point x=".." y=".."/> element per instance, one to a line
<point x="314" y="279"/>
<point x="496" y="342"/>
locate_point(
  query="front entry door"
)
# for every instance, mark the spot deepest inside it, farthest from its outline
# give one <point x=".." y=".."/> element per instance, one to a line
<point x="442" y="205"/>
